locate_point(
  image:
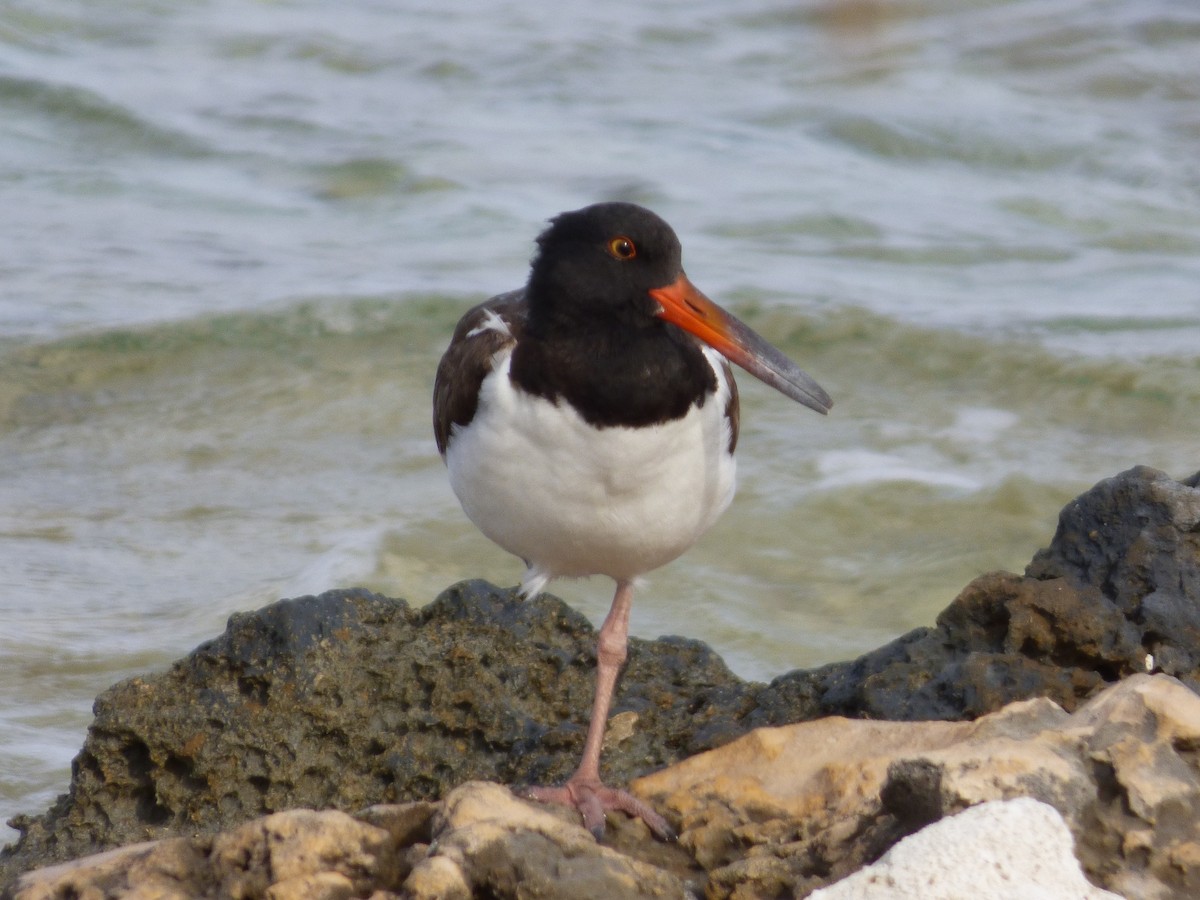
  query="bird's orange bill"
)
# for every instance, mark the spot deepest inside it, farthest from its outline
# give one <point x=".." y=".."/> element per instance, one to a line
<point x="684" y="305"/>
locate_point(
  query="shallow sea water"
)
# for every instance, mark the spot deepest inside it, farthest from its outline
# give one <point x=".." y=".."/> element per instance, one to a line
<point x="236" y="237"/>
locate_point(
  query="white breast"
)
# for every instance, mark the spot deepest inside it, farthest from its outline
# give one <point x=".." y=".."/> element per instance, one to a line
<point x="571" y="499"/>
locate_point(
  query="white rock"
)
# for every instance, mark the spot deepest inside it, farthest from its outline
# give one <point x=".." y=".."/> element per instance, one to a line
<point x="1003" y="850"/>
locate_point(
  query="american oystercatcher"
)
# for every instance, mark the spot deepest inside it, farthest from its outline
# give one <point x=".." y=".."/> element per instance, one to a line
<point x="588" y="422"/>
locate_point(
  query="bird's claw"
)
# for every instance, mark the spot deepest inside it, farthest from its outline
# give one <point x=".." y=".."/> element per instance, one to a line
<point x="593" y="799"/>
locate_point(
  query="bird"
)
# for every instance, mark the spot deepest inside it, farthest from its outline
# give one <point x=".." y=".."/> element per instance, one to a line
<point x="588" y="423"/>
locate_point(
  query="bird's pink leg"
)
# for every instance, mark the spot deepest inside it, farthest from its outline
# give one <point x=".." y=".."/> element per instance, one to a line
<point x="584" y="790"/>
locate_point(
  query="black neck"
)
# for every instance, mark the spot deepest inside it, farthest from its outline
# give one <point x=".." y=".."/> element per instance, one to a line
<point x="614" y="376"/>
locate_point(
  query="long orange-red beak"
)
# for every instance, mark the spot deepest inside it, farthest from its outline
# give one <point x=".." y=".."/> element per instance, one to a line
<point x="681" y="303"/>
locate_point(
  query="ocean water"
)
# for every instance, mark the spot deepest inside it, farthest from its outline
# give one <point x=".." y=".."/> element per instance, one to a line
<point x="235" y="237"/>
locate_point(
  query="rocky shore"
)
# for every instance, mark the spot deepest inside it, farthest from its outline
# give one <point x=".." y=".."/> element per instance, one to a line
<point x="1044" y="732"/>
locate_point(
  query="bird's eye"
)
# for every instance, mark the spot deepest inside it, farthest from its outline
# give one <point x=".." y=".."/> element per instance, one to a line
<point x="622" y="247"/>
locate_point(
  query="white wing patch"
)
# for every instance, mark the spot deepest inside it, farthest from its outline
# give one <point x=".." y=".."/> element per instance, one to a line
<point x="491" y="322"/>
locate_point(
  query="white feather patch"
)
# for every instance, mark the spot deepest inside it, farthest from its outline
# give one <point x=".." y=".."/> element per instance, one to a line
<point x="491" y="322"/>
<point x="574" y="500"/>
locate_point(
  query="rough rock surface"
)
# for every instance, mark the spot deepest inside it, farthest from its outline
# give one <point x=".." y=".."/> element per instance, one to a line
<point x="295" y="854"/>
<point x="350" y="699"/>
<point x="778" y="813"/>
<point x="798" y="806"/>
<point x="1119" y="581"/>
<point x="480" y="842"/>
<point x="1000" y="850"/>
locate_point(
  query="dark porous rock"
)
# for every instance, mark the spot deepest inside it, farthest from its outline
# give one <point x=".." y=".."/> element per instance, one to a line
<point x="1116" y="592"/>
<point x="351" y="699"/>
<point x="1111" y="790"/>
<point x="1137" y="539"/>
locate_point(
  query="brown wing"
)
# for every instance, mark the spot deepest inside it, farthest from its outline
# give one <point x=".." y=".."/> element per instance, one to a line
<point x="469" y="359"/>
<point x="733" y="409"/>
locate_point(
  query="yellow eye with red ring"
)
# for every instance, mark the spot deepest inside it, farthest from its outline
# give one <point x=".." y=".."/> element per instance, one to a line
<point x="621" y="248"/>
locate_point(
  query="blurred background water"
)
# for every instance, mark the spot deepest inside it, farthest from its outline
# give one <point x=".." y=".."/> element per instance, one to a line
<point x="235" y="237"/>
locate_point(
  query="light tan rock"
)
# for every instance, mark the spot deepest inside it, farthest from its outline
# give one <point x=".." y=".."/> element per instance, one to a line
<point x="295" y="854"/>
<point x="803" y="802"/>
<point x="778" y="813"/>
<point x="806" y="804"/>
<point x="154" y="870"/>
<point x="300" y="844"/>
<point x="440" y="877"/>
<point x="487" y="843"/>
<point x="318" y="886"/>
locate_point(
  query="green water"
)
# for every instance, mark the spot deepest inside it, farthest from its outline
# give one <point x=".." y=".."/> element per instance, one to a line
<point x="182" y="470"/>
<point x="235" y="238"/>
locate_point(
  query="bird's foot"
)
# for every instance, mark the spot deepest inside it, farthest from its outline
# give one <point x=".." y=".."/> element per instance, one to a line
<point x="593" y="799"/>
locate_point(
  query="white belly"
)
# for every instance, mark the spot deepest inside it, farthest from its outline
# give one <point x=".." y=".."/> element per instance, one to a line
<point x="574" y="500"/>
